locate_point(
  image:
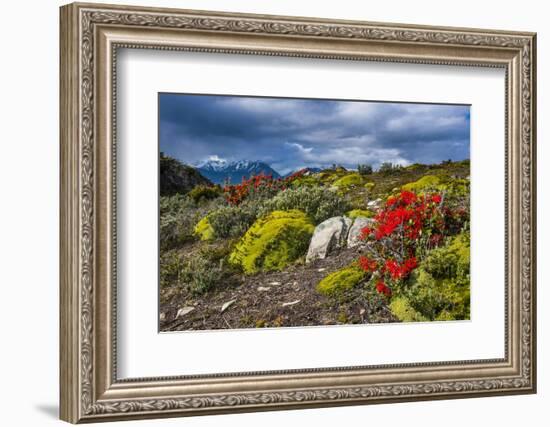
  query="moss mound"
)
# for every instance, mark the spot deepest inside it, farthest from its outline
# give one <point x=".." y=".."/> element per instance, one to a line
<point x="440" y="287"/>
<point x="340" y="281"/>
<point x="356" y="213"/>
<point x="427" y="181"/>
<point x="369" y="186"/>
<point x="204" y="229"/>
<point x="273" y="242"/>
<point x="350" y="180"/>
<point x="403" y="310"/>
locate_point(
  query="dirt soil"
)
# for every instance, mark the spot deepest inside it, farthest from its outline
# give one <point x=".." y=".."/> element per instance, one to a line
<point x="274" y="299"/>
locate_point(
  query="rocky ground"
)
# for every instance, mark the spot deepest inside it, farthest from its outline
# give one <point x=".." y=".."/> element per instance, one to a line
<point x="273" y="299"/>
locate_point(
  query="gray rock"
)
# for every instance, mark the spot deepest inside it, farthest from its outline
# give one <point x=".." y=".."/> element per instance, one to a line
<point x="374" y="203"/>
<point x="263" y="288"/>
<point x="183" y="311"/>
<point x="354" y="235"/>
<point x="327" y="236"/>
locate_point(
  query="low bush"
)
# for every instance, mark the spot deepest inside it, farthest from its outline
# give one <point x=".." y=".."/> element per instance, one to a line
<point x="356" y="213"/>
<point x="203" y="192"/>
<point x="364" y="169"/>
<point x="317" y="202"/>
<point x="178" y="216"/>
<point x="202" y="274"/>
<point x="199" y="272"/>
<point x="388" y="168"/>
<point x="232" y="221"/>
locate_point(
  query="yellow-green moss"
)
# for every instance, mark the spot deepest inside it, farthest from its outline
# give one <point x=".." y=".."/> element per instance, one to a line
<point x="273" y="242"/>
<point x="427" y="181"/>
<point x="369" y="186"/>
<point x="355" y="213"/>
<point x="340" y="281"/>
<point x="440" y="288"/>
<point x="401" y="308"/>
<point x="352" y="179"/>
<point x="204" y="229"/>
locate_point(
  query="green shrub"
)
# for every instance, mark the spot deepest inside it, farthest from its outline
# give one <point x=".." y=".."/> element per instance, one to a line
<point x="273" y="242"/>
<point x="338" y="282"/>
<point x="203" y="192"/>
<point x="364" y="169"/>
<point x="440" y="288"/>
<point x="356" y="213"/>
<point x="317" y="202"/>
<point x="172" y="269"/>
<point x="202" y="274"/>
<point x="388" y="168"/>
<point x="178" y="216"/>
<point x="199" y="272"/>
<point x="232" y="221"/>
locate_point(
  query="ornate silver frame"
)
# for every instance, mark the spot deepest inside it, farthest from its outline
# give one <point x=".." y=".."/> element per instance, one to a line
<point x="90" y="36"/>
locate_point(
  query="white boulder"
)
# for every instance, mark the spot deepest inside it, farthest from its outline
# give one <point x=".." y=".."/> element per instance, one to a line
<point x="327" y="236"/>
<point x="354" y="235"/>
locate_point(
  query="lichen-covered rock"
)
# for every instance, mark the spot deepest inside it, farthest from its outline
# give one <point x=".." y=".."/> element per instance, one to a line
<point x="329" y="235"/>
<point x="273" y="242"/>
<point x="340" y="281"/>
<point x="354" y="234"/>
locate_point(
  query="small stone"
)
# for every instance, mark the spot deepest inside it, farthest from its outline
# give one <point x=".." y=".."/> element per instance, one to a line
<point x="263" y="288"/>
<point x="274" y="283"/>
<point x="227" y="305"/>
<point x="183" y="311"/>
<point x="362" y="311"/>
<point x="162" y="317"/>
<point x="286" y="304"/>
<point x="320" y="270"/>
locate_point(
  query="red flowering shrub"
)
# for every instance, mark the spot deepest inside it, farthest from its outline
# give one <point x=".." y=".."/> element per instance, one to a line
<point x="258" y="185"/>
<point x="405" y="229"/>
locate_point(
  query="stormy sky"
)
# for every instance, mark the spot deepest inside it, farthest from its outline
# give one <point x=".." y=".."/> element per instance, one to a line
<point x="289" y="134"/>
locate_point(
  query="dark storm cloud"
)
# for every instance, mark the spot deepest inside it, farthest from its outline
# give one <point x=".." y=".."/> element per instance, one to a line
<point x="293" y="133"/>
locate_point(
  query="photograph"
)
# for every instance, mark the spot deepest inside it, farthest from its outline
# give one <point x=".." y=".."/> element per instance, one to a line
<point x="290" y="212"/>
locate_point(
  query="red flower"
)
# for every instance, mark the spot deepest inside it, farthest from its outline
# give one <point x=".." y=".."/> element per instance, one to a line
<point x="381" y="288"/>
<point x="436" y="198"/>
<point x="408" y="197"/>
<point x="369" y="265"/>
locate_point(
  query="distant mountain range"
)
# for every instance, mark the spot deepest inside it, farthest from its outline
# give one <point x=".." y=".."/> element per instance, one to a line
<point x="307" y="171"/>
<point x="219" y="171"/>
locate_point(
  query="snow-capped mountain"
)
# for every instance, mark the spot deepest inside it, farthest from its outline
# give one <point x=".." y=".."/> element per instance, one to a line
<point x="220" y="170"/>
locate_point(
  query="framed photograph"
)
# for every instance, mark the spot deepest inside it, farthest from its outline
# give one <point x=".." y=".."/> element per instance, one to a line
<point x="266" y="212"/>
